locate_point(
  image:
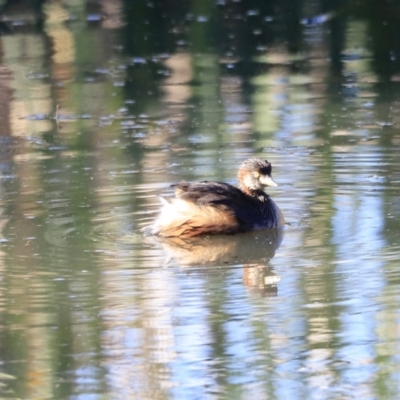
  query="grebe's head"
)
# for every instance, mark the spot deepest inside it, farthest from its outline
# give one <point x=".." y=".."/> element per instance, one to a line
<point x="255" y="174"/>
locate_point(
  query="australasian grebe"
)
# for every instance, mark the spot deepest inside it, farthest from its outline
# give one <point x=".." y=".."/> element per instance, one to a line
<point x="215" y="207"/>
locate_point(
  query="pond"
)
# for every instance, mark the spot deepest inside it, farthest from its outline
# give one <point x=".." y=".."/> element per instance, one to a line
<point x="104" y="104"/>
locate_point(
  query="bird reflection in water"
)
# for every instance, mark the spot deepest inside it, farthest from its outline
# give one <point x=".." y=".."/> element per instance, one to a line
<point x="253" y="250"/>
<point x="261" y="280"/>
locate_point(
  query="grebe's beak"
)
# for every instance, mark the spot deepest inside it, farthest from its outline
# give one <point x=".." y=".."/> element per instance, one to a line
<point x="267" y="180"/>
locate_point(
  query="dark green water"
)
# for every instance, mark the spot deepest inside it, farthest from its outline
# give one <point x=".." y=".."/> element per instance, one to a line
<point x="104" y="104"/>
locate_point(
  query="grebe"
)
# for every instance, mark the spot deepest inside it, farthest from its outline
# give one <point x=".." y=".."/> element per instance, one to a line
<point x="216" y="208"/>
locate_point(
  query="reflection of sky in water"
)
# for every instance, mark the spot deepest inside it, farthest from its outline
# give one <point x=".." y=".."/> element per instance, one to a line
<point x="193" y="336"/>
<point x="357" y="235"/>
<point x="282" y="109"/>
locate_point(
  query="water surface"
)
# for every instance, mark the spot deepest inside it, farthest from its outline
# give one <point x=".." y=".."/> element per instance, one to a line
<point x="103" y="105"/>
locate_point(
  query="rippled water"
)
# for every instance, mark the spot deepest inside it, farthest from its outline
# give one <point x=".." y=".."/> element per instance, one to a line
<point x="101" y="111"/>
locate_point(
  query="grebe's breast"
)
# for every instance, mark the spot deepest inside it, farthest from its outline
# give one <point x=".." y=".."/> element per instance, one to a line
<point x="272" y="216"/>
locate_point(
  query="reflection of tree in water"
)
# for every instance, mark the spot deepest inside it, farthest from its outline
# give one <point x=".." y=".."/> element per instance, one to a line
<point x="243" y="29"/>
<point x="240" y="28"/>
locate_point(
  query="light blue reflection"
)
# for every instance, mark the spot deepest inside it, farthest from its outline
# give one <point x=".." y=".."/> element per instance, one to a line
<point x="357" y="236"/>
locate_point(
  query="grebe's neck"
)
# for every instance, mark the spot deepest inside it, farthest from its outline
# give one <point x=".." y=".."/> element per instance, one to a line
<point x="254" y="193"/>
<point x="243" y="178"/>
<point x="249" y="185"/>
<point x="248" y="191"/>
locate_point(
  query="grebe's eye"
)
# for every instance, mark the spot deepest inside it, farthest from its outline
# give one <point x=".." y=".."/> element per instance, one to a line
<point x="256" y="174"/>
